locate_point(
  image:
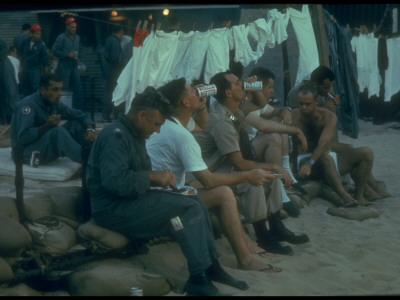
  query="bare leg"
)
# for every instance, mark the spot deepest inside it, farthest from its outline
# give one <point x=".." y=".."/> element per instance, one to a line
<point x="268" y="147"/>
<point x="333" y="179"/>
<point x="223" y="200"/>
<point x="359" y="162"/>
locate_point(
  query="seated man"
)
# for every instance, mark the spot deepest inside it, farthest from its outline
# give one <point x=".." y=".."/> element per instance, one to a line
<point x="36" y="124"/>
<point x="268" y="129"/>
<point x="318" y="125"/>
<point x="120" y="181"/>
<point x="222" y="144"/>
<point x="176" y="149"/>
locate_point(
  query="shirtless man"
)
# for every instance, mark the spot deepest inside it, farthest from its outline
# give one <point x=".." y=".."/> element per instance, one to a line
<point x="318" y="125"/>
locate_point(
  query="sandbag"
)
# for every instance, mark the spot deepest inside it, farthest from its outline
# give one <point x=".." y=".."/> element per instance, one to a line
<point x="114" y="277"/>
<point x="66" y="202"/>
<point x="101" y="237"/>
<point x="8" y="208"/>
<point x="50" y="235"/>
<point x="38" y="206"/>
<point x="358" y="213"/>
<point x="6" y="272"/>
<point x="13" y="237"/>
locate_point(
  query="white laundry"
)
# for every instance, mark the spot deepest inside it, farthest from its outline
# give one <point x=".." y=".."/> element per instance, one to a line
<point x="359" y="45"/>
<point x="279" y="24"/>
<point x="260" y="30"/>
<point x="159" y="62"/>
<point x="183" y="55"/>
<point x="198" y="50"/>
<point x="217" y="56"/>
<point x="392" y="74"/>
<point x="309" y="59"/>
<point x="374" y="79"/>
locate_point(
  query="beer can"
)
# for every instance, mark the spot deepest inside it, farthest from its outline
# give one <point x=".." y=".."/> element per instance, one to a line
<point x="135" y="291"/>
<point x="252" y="86"/>
<point x="206" y="90"/>
<point x="35" y="159"/>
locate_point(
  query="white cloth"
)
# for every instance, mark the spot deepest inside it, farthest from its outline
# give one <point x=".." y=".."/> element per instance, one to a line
<point x="308" y="59"/>
<point x="176" y="149"/>
<point x="392" y="74"/>
<point x="331" y="153"/>
<point x="183" y="55"/>
<point x="359" y="45"/>
<point x="16" y="64"/>
<point x="217" y="57"/>
<point x="374" y="79"/>
<point x="156" y="70"/>
<point x="279" y="25"/>
<point x="198" y="51"/>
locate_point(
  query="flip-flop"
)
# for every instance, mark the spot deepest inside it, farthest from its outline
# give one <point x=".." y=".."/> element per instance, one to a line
<point x="351" y="204"/>
<point x="270" y="269"/>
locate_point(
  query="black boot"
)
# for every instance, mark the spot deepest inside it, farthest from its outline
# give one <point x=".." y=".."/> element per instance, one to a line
<point x="216" y="273"/>
<point x="200" y="285"/>
<point x="267" y="241"/>
<point x="281" y="233"/>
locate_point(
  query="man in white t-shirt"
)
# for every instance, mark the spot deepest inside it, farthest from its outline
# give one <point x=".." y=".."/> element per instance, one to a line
<point x="12" y="56"/>
<point x="175" y="148"/>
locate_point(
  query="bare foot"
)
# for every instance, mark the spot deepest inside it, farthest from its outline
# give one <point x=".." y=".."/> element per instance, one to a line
<point x="259" y="266"/>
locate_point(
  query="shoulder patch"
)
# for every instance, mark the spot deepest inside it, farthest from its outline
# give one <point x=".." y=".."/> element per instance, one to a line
<point x="26" y="110"/>
<point x="117" y="132"/>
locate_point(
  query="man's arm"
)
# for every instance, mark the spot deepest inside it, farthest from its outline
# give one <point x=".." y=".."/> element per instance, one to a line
<point x="210" y="180"/>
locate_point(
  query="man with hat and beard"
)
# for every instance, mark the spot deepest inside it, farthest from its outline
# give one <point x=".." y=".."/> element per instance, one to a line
<point x="67" y="49"/>
<point x="34" y="61"/>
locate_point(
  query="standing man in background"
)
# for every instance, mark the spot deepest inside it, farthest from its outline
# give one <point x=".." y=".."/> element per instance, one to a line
<point x="34" y="61"/>
<point x="22" y="36"/>
<point x="112" y="69"/>
<point x="67" y="49"/>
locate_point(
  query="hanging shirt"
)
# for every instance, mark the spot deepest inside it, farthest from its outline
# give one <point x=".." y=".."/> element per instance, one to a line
<point x="392" y="74"/>
<point x="309" y="59"/>
<point x="374" y="79"/>
<point x="182" y="55"/>
<point x="217" y="57"/>
<point x="279" y="24"/>
<point x="359" y="45"/>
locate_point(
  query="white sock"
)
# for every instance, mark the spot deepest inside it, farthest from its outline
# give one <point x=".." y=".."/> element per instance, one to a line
<point x="285" y="197"/>
<point x="286" y="166"/>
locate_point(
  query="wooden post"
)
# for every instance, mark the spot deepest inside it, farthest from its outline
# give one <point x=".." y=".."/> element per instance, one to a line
<point x="286" y="72"/>
<point x="320" y="33"/>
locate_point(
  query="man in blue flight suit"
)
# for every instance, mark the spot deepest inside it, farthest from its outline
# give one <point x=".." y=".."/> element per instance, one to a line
<point x="36" y="126"/>
<point x="34" y="61"/>
<point x="119" y="179"/>
<point x="22" y="36"/>
<point x="67" y="49"/>
<point x="112" y="69"/>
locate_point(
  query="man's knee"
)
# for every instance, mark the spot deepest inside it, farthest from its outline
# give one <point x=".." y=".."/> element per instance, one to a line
<point x="366" y="153"/>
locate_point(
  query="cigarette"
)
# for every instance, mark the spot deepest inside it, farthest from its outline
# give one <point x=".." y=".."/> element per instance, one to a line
<point x="331" y="96"/>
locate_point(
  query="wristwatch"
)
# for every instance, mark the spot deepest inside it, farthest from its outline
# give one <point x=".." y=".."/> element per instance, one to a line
<point x="311" y="161"/>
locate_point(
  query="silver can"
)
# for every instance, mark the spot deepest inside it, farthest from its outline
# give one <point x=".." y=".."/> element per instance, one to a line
<point x="35" y="159"/>
<point x="252" y="86"/>
<point x="135" y="291"/>
<point x="206" y="90"/>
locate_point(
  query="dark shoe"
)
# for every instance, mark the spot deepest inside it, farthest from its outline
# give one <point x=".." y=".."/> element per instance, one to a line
<point x="216" y="273"/>
<point x="298" y="187"/>
<point x="200" y="285"/>
<point x="281" y="233"/>
<point x="275" y="247"/>
<point x="291" y="209"/>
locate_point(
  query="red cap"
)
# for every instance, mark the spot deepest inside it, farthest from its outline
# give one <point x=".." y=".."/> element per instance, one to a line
<point x="69" y="20"/>
<point x="36" y="27"/>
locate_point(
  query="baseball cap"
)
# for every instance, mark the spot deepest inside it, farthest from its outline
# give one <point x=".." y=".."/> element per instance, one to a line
<point x="36" y="27"/>
<point x="69" y="20"/>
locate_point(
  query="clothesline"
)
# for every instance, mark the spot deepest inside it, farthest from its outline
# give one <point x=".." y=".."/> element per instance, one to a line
<point x="159" y="59"/>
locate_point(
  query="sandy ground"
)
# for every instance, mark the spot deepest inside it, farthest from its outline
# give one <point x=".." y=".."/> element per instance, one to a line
<point x="343" y="257"/>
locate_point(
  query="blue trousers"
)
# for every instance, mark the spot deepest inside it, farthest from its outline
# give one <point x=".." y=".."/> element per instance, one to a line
<point x="149" y="216"/>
